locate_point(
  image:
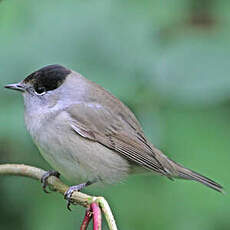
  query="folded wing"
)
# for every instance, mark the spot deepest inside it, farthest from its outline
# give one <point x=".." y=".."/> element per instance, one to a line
<point x="117" y="131"/>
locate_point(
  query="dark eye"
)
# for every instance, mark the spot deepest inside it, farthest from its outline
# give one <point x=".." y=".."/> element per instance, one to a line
<point x="40" y="90"/>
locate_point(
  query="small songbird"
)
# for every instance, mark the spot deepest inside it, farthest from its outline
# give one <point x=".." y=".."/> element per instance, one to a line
<point x="87" y="134"/>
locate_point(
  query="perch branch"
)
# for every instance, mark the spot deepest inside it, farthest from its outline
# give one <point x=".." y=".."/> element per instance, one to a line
<point x="86" y="220"/>
<point x="77" y="197"/>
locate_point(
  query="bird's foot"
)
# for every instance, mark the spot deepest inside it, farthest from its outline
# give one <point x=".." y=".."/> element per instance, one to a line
<point x="69" y="192"/>
<point x="45" y="178"/>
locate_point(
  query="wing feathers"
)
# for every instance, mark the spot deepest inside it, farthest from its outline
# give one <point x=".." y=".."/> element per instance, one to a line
<point x="117" y="134"/>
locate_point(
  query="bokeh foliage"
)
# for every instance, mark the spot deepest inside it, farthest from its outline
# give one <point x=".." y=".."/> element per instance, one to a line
<point x="167" y="60"/>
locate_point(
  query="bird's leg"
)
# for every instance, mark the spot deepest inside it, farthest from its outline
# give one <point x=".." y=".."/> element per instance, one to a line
<point x="69" y="192"/>
<point x="45" y="178"/>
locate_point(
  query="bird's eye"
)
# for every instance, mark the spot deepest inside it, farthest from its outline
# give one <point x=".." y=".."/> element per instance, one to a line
<point x="40" y="90"/>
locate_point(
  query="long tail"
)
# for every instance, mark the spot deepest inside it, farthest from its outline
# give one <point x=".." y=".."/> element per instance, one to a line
<point x="176" y="170"/>
<point x="184" y="173"/>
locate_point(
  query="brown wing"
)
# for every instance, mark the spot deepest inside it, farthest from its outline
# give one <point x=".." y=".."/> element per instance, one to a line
<point x="116" y="131"/>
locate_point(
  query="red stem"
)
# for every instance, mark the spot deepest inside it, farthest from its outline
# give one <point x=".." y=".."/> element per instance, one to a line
<point x="96" y="216"/>
<point x="87" y="218"/>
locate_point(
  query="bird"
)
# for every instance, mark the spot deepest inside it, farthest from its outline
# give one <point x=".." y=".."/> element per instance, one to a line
<point x="88" y="135"/>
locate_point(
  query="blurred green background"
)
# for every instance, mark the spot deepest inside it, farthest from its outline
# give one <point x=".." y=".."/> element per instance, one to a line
<point x="169" y="61"/>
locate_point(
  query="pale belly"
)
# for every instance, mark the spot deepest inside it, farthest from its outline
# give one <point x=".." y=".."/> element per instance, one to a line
<point x="79" y="159"/>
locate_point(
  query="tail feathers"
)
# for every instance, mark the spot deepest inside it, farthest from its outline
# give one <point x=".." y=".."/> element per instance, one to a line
<point x="176" y="170"/>
<point x="191" y="175"/>
<point x="188" y="174"/>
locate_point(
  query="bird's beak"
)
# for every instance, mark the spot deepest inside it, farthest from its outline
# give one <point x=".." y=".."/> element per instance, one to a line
<point x="18" y="86"/>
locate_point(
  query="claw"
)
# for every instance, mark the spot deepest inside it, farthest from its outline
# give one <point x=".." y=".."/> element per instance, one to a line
<point x="68" y="205"/>
<point x="69" y="192"/>
<point x="45" y="178"/>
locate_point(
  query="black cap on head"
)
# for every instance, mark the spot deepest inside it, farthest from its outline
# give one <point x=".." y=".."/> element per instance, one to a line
<point x="49" y="77"/>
